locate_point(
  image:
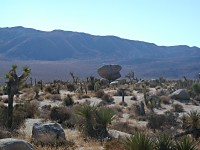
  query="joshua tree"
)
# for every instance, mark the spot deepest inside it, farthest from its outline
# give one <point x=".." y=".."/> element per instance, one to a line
<point x="131" y="76"/>
<point x="73" y="77"/>
<point x="13" y="83"/>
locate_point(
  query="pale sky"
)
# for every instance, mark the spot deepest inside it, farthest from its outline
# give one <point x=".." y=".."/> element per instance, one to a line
<point x="163" y="22"/>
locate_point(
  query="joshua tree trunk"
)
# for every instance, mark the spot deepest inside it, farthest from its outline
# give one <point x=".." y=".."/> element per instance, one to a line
<point x="10" y="110"/>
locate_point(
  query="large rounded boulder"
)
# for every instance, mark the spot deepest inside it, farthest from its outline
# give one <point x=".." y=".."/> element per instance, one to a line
<point x="110" y="72"/>
<point x="181" y="94"/>
<point x="14" y="144"/>
<point x="48" y="133"/>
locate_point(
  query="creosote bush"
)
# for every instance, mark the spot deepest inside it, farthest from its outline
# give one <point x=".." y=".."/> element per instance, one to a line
<point x="59" y="114"/>
<point x="99" y="93"/>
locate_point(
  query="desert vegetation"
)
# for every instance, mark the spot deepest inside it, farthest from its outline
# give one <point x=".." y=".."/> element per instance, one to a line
<point x="132" y="114"/>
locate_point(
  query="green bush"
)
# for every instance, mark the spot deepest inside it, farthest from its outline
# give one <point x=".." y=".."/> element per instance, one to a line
<point x="178" y="108"/>
<point x="196" y="88"/>
<point x="71" y="87"/>
<point x="107" y="98"/>
<point x="68" y="101"/>
<point x="99" y="93"/>
<point x="59" y="114"/>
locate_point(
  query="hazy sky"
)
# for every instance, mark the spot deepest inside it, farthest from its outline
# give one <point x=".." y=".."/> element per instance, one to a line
<point x="164" y="22"/>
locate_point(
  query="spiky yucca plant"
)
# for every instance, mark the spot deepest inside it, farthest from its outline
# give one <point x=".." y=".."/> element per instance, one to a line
<point x="163" y="142"/>
<point x="193" y="120"/>
<point x="139" y="141"/>
<point x="96" y="120"/>
<point x="103" y="117"/>
<point x="87" y="112"/>
<point x="186" y="144"/>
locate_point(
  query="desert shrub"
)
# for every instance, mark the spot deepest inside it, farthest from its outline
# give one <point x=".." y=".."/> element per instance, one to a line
<point x="59" y="114"/>
<point x="99" y="93"/>
<point x="117" y="110"/>
<point x="171" y="118"/>
<point x="71" y="87"/>
<point x="123" y="103"/>
<point x="196" y="88"/>
<point x="134" y="98"/>
<point x="3" y="115"/>
<point x="19" y="116"/>
<point x="155" y="121"/>
<point x="45" y="111"/>
<point x="30" y="109"/>
<point x="165" y="100"/>
<point x="119" y="93"/>
<point x="178" y="108"/>
<point x="107" y="98"/>
<point x="68" y="101"/>
<point x="84" y="96"/>
<point x="114" y="144"/>
<point x="46" y="96"/>
<point x="56" y="97"/>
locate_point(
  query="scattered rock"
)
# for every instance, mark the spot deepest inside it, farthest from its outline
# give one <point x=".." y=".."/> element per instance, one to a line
<point x="118" y="134"/>
<point x="48" y="133"/>
<point x="180" y="94"/>
<point x="110" y="72"/>
<point x="15" y="144"/>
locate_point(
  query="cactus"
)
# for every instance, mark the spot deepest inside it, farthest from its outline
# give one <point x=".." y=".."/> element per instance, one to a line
<point x="13" y="83"/>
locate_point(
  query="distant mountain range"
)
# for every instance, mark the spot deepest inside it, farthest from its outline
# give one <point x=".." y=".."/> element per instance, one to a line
<point x="19" y="43"/>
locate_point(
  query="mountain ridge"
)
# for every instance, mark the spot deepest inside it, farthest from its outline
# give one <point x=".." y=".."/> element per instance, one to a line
<point x="30" y="44"/>
<point x="88" y="52"/>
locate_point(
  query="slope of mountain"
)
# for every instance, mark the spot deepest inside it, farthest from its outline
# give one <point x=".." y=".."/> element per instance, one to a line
<point x="30" y="44"/>
<point x="148" y="59"/>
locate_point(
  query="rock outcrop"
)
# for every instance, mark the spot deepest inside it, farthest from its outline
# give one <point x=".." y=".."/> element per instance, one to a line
<point x="15" y="144"/>
<point x="110" y="72"/>
<point x="48" y="133"/>
<point x="180" y="94"/>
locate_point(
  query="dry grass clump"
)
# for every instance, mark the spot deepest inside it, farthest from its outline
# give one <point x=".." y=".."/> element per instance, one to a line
<point x="69" y="145"/>
<point x="117" y="110"/>
<point x="27" y="96"/>
<point x="114" y="144"/>
<point x="165" y="100"/>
